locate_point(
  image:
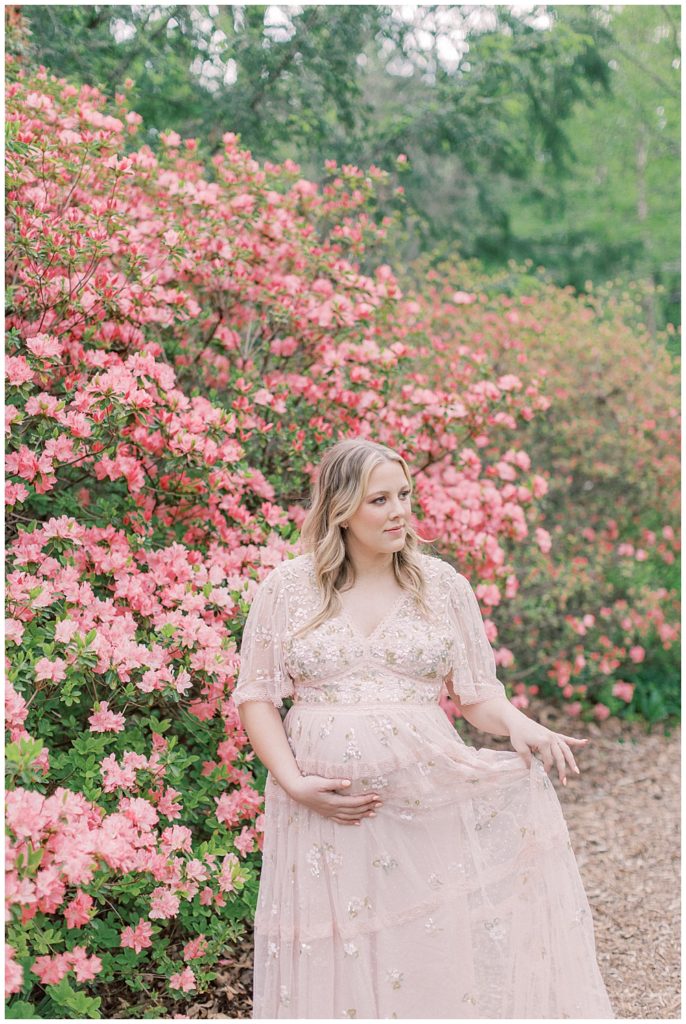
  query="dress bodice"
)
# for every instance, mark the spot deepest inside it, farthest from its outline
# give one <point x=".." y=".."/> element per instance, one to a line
<point x="406" y="658"/>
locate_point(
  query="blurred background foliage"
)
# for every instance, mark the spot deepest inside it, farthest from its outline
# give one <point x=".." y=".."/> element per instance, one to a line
<point x="543" y="133"/>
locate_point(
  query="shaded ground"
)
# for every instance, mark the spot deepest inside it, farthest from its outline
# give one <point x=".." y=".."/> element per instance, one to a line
<point x="622" y="812"/>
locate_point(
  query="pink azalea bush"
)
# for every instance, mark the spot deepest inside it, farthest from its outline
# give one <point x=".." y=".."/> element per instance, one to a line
<point x="598" y="621"/>
<point x="185" y="337"/>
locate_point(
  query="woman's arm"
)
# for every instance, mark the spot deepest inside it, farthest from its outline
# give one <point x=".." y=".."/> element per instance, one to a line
<point x="496" y="715"/>
<point x="480" y="695"/>
<point x="262" y="723"/>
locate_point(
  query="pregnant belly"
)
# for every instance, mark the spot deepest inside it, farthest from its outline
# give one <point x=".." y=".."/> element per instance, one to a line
<point x="409" y="754"/>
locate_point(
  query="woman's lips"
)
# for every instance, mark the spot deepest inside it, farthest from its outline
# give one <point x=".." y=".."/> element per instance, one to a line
<point x="395" y="529"/>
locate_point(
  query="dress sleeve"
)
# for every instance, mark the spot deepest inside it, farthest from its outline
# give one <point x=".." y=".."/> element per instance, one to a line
<point x="263" y="674"/>
<point x="474" y="673"/>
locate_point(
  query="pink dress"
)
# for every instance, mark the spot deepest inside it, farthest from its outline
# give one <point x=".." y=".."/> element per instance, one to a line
<point x="462" y="897"/>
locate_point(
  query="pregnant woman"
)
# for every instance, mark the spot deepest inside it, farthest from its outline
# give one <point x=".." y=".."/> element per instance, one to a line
<point x="405" y="873"/>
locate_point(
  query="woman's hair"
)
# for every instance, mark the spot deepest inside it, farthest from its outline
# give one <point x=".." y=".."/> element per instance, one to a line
<point x="340" y="487"/>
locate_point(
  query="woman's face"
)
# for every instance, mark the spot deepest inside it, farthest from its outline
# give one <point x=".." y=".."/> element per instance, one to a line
<point x="385" y="506"/>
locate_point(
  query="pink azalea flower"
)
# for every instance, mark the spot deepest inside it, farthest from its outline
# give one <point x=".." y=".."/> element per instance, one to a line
<point x="45" y="346"/>
<point x="18" y="371"/>
<point x="26" y="813"/>
<point x="184" y="980"/>
<point x="65" y="630"/>
<point x="15" y="705"/>
<point x="85" y="968"/>
<point x="196" y="870"/>
<point x="230" y="874"/>
<point x="52" y="670"/>
<point x="105" y="720"/>
<point x="166" y="804"/>
<point x="601" y="712"/>
<point x="177" y="837"/>
<point x="77" y="913"/>
<point x="625" y="691"/>
<point x="14" y="973"/>
<point x="245" y="842"/>
<point x="195" y="949"/>
<point x="163" y="903"/>
<point x="115" y="777"/>
<point x="520" y="700"/>
<point x="51" y="969"/>
<point x="137" y="938"/>
<point x="132" y="759"/>
<point x="139" y="811"/>
<point x="15" y="492"/>
<point x="50" y="888"/>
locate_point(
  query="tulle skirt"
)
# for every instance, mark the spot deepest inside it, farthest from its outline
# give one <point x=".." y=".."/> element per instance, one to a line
<point x="461" y="898"/>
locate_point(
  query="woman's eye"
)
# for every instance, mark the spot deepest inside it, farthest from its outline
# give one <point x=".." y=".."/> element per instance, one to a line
<point x="404" y="495"/>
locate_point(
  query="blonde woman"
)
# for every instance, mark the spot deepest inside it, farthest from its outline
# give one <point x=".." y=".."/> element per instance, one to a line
<point x="405" y="873"/>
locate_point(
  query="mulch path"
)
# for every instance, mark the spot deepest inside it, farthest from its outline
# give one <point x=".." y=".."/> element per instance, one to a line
<point x="623" y="815"/>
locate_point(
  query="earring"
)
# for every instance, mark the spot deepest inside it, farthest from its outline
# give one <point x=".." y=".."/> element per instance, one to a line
<point x="344" y="526"/>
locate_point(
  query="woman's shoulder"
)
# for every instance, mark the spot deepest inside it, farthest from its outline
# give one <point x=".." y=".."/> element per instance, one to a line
<point x="435" y="567"/>
<point x="290" y="570"/>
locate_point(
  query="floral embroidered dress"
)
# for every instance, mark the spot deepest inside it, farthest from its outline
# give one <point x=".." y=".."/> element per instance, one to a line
<point x="462" y="897"/>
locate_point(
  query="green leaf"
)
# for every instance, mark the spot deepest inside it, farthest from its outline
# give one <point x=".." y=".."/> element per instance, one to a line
<point x="20" y="754"/>
<point x="21" y="1011"/>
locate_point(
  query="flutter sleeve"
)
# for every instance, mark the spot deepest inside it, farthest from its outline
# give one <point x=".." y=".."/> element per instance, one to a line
<point x="263" y="674"/>
<point x="474" y="673"/>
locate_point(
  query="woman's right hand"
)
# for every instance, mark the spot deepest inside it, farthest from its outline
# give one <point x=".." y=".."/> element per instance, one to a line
<point x="320" y="794"/>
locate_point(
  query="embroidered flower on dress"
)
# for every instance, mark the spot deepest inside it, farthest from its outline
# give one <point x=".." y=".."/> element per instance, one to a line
<point x="352" y="749"/>
<point x="431" y="927"/>
<point x="386" y="862"/>
<point x="356" y="904"/>
<point x="325" y="729"/>
<point x="314" y="859"/>
<point x="333" y="859"/>
<point x="395" y="977"/>
<point x="495" y="929"/>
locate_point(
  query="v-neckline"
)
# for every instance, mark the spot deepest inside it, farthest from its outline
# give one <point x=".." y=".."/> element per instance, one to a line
<point x="391" y="611"/>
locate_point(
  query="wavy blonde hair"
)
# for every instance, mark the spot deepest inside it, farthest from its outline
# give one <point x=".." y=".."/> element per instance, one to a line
<point x="340" y="486"/>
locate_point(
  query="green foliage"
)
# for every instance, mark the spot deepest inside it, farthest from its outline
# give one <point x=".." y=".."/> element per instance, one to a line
<point x="618" y="212"/>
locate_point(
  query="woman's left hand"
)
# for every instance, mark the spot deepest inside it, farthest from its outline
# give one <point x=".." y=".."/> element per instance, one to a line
<point x="529" y="737"/>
